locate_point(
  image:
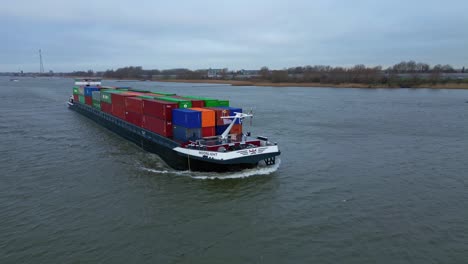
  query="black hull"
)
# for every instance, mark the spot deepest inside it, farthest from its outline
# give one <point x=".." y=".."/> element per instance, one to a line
<point x="154" y="143"/>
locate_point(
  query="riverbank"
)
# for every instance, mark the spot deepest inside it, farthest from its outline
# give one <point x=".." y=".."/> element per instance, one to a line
<point x="342" y="85"/>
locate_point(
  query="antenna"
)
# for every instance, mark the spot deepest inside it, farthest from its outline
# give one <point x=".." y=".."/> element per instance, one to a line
<point x="41" y="66"/>
<point x="251" y="112"/>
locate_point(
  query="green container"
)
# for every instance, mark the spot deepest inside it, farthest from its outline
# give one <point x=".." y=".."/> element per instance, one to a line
<point x="97" y="104"/>
<point x="223" y="102"/>
<point x="194" y="97"/>
<point x="81" y="98"/>
<point x="211" y="103"/>
<point x="76" y="90"/>
<point x="182" y="103"/>
<point x="139" y="91"/>
<point x="166" y="94"/>
<point x="106" y="95"/>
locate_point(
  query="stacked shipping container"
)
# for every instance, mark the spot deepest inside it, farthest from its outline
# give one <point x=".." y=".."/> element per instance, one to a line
<point x="208" y="122"/>
<point x="96" y="96"/>
<point x="76" y="94"/>
<point x="134" y="110"/>
<point x="223" y="123"/>
<point x="157" y="116"/>
<point x="183" y="118"/>
<point x="187" y="124"/>
<point x="88" y="92"/>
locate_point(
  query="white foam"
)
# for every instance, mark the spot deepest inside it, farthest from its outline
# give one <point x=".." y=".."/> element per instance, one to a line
<point x="166" y="171"/>
<point x="260" y="170"/>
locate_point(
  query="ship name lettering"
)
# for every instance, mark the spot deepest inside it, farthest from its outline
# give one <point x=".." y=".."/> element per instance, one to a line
<point x="207" y="153"/>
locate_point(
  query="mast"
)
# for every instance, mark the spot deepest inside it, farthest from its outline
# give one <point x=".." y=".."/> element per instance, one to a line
<point x="41" y="65"/>
<point x="228" y="129"/>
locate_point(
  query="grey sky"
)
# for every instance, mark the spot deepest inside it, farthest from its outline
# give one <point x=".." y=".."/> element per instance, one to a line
<point x="241" y="34"/>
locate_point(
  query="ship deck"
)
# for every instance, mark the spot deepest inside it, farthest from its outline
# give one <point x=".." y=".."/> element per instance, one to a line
<point x="192" y="155"/>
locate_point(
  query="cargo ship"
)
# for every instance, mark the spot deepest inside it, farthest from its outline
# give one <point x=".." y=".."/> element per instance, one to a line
<point x="187" y="132"/>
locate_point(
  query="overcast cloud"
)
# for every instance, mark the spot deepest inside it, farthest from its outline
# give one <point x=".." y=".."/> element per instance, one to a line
<point x="241" y="34"/>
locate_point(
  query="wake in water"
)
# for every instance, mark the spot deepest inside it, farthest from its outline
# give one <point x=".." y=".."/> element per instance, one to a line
<point x="260" y="170"/>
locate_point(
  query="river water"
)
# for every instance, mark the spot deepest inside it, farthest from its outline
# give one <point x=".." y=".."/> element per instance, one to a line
<point x="366" y="176"/>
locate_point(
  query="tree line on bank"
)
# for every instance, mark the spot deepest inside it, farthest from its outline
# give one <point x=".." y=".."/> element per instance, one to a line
<point x="403" y="74"/>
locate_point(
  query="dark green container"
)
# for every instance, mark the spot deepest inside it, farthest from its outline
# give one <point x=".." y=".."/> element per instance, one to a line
<point x="97" y="104"/>
<point x="81" y="98"/>
<point x="182" y="103"/>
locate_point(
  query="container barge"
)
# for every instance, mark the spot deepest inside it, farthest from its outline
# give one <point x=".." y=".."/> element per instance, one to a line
<point x="187" y="132"/>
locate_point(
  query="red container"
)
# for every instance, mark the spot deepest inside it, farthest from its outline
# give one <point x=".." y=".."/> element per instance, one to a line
<point x="195" y="102"/>
<point x="119" y="98"/>
<point x="106" y="107"/>
<point x="236" y="129"/>
<point x="76" y="98"/>
<point x="159" y="109"/>
<point x="219" y="112"/>
<point x="208" y="131"/>
<point x="133" y="104"/>
<point x="118" y="110"/>
<point x="134" y="118"/>
<point x="198" y="103"/>
<point x="158" y="126"/>
<point x="89" y="100"/>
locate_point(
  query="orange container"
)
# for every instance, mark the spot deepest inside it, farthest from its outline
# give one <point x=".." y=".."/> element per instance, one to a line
<point x="236" y="129"/>
<point x="207" y="116"/>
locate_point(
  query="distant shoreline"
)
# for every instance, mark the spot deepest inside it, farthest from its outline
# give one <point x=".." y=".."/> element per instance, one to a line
<point x="463" y="86"/>
<point x="318" y="85"/>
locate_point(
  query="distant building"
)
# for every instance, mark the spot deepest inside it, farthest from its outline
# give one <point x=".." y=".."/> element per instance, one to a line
<point x="216" y="73"/>
<point x="247" y="74"/>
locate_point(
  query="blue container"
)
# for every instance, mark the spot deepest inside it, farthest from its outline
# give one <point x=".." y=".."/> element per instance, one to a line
<point x="232" y="111"/>
<point x="185" y="134"/>
<point x="220" y="129"/>
<point x="88" y="91"/>
<point x="186" y="118"/>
